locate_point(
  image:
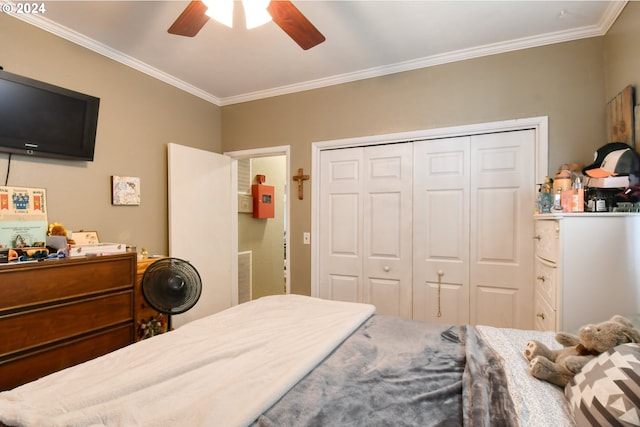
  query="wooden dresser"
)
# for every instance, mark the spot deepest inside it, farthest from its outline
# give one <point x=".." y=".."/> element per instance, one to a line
<point x="58" y="313"/>
<point x="143" y="312"/>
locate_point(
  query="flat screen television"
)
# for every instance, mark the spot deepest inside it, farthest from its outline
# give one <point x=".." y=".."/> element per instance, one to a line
<point x="40" y="119"/>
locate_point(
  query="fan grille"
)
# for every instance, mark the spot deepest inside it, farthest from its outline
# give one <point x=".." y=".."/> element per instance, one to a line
<point x="171" y="285"/>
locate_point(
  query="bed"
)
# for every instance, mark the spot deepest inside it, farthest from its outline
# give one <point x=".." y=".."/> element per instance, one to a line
<point x="293" y="360"/>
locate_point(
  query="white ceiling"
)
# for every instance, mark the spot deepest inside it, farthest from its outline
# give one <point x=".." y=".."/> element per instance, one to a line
<point x="364" y="39"/>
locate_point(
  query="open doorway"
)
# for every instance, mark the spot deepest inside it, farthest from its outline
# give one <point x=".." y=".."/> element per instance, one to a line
<point x="263" y="257"/>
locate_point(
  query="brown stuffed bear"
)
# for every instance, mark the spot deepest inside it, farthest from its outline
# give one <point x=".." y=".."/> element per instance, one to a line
<point x="57" y="229"/>
<point x="559" y="366"/>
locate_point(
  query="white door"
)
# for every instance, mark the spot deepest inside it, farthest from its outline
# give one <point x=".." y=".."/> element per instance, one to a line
<point x="441" y="230"/>
<point x="473" y="252"/>
<point x="341" y="212"/>
<point x="501" y="247"/>
<point x="365" y="215"/>
<point x="388" y="228"/>
<point x="200" y="224"/>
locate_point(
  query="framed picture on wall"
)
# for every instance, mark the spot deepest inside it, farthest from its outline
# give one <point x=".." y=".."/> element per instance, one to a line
<point x="125" y="190"/>
<point x="620" y="117"/>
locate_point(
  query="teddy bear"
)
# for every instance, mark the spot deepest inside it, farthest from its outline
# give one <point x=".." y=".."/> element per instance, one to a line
<point x="559" y="366"/>
<point x="57" y="229"/>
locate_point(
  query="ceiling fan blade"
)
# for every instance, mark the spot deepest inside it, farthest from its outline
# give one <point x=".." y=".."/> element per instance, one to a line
<point x="191" y="20"/>
<point x="295" y="24"/>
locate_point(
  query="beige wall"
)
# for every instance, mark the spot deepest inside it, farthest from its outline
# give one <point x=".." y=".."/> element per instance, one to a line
<point x="265" y="237"/>
<point x="563" y="81"/>
<point x="621" y="52"/>
<point x="138" y="116"/>
<point x="568" y="82"/>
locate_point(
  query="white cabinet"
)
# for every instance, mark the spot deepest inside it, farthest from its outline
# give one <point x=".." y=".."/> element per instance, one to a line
<point x="587" y="268"/>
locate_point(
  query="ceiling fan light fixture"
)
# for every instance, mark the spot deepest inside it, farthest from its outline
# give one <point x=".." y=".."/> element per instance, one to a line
<point x="220" y="10"/>
<point x="255" y="12"/>
<point x="282" y="12"/>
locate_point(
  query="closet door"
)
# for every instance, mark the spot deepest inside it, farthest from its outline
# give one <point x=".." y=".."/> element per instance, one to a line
<point x="388" y="228"/>
<point x="365" y="214"/>
<point x="501" y="244"/>
<point x="473" y="252"/>
<point x="441" y="230"/>
<point x="341" y="211"/>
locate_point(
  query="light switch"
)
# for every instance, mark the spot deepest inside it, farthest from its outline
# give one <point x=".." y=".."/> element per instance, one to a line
<point x="245" y="203"/>
<point x="306" y="238"/>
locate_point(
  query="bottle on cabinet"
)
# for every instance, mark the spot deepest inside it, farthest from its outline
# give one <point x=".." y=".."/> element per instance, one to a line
<point x="544" y="200"/>
<point x="562" y="188"/>
<point x="577" y="200"/>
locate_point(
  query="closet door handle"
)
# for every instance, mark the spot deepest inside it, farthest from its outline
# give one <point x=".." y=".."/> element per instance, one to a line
<point x="541" y="278"/>
<point x="538" y="238"/>
<point x="386" y="268"/>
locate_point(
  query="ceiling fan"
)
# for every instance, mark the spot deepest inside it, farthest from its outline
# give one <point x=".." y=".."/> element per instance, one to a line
<point x="283" y="13"/>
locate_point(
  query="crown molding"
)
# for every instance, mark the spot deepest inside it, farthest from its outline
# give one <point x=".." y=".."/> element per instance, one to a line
<point x="609" y="17"/>
<point x="612" y="13"/>
<point x="104" y="50"/>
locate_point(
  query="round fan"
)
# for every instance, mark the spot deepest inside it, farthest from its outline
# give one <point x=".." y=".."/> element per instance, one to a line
<point x="171" y="286"/>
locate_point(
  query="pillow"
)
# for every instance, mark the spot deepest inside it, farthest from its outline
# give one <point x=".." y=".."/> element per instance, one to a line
<point x="607" y="390"/>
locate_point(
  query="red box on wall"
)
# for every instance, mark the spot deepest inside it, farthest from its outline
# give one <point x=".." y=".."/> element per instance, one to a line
<point x="263" y="201"/>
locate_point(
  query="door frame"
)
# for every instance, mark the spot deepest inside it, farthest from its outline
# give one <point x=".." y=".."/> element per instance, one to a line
<point x="281" y="150"/>
<point x="540" y="124"/>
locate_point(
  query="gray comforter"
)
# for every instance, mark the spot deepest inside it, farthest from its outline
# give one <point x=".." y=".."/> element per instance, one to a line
<point x="398" y="372"/>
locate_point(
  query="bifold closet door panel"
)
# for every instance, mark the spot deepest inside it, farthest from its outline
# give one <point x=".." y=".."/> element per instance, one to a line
<point x="501" y="245"/>
<point x="365" y="217"/>
<point x="388" y="200"/>
<point x="441" y="230"/>
<point x="341" y="225"/>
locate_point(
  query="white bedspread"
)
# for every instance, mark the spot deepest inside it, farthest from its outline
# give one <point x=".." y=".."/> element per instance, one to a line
<point x="223" y="370"/>
<point x="538" y="403"/>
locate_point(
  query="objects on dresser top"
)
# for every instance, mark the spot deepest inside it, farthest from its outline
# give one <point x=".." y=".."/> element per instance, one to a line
<point x="602" y="186"/>
<point x="544" y="199"/>
<point x="615" y="159"/>
<point x="57" y="229"/>
<point x="577" y="196"/>
<point x="568" y="189"/>
<point x="627" y="200"/>
<point x="23" y="217"/>
<point x="88" y="244"/>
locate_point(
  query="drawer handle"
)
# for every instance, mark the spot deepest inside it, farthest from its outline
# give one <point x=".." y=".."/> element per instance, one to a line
<point x="540" y="315"/>
<point x="538" y="238"/>
<point x="541" y="278"/>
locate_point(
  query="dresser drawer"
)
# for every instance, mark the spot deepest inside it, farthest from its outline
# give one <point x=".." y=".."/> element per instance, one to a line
<point x="34" y="328"/>
<point x="547" y="281"/>
<point x="547" y="239"/>
<point x="545" y="316"/>
<point x="30" y="284"/>
<point x="31" y="366"/>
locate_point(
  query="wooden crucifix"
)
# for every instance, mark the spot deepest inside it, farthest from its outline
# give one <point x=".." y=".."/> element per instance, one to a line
<point x="300" y="178"/>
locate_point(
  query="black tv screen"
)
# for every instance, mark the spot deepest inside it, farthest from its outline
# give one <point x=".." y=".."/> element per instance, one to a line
<point x="40" y="119"/>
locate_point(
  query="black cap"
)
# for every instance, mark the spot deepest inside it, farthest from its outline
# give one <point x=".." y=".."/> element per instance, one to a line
<point x="614" y="158"/>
